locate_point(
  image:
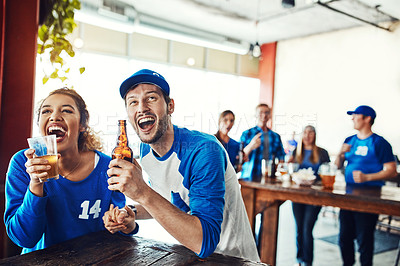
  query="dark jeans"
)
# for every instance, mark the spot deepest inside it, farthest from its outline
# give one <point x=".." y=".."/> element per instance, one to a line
<point x="305" y="217"/>
<point x="359" y="226"/>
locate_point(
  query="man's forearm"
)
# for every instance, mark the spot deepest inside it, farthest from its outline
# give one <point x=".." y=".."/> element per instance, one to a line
<point x="339" y="160"/>
<point x="142" y="213"/>
<point x="183" y="227"/>
<point x="388" y="172"/>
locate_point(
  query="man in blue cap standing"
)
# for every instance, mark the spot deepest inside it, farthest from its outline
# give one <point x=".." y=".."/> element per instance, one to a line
<point x="194" y="192"/>
<point x="370" y="160"/>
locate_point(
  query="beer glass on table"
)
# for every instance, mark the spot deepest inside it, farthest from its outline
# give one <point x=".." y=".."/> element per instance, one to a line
<point x="46" y="147"/>
<point x="327" y="172"/>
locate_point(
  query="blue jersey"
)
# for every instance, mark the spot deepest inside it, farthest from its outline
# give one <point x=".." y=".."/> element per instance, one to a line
<point x="306" y="163"/>
<point x="368" y="156"/>
<point x="196" y="177"/>
<point x="252" y="168"/>
<point x="67" y="210"/>
<point x="232" y="147"/>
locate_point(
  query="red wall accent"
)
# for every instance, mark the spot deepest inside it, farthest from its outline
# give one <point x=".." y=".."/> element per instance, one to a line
<point x="266" y="72"/>
<point x="19" y="25"/>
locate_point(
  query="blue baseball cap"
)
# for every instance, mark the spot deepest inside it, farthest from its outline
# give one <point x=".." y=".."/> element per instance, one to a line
<point x="144" y="76"/>
<point x="363" y="110"/>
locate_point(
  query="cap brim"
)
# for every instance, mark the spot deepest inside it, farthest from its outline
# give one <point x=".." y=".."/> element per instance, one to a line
<point x="140" y="79"/>
<point x="350" y="112"/>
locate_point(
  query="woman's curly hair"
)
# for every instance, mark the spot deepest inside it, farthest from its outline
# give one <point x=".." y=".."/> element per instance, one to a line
<point x="88" y="139"/>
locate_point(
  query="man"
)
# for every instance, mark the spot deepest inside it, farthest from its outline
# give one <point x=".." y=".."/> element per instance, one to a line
<point x="260" y="142"/>
<point x="369" y="160"/>
<point x="194" y="193"/>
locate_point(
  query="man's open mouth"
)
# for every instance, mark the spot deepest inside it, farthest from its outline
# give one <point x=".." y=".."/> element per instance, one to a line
<point x="146" y="123"/>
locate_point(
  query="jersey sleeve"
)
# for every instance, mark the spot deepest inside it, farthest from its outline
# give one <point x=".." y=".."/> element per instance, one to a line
<point x="246" y="138"/>
<point x="280" y="153"/>
<point x="25" y="213"/>
<point x="384" y="151"/>
<point x="207" y="191"/>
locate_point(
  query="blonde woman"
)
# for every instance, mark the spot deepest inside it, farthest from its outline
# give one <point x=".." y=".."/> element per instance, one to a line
<point x="307" y="154"/>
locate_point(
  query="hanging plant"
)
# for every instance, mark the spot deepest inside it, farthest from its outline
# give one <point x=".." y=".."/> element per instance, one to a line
<point x="56" y="22"/>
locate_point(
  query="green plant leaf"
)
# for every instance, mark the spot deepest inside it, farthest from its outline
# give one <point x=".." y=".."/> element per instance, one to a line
<point x="54" y="75"/>
<point x="45" y="79"/>
<point x="58" y="23"/>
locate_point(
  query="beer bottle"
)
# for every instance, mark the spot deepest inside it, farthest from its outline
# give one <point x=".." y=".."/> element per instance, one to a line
<point x="122" y="149"/>
<point x="273" y="170"/>
<point x="239" y="160"/>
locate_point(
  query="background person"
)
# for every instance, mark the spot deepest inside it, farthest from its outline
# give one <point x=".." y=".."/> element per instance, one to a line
<point x="194" y="192"/>
<point x="307" y="154"/>
<point x="225" y="123"/>
<point x="260" y="142"/>
<point x="369" y="160"/>
<point x="40" y="214"/>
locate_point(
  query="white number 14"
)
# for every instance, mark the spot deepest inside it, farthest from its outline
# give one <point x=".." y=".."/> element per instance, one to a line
<point x="95" y="209"/>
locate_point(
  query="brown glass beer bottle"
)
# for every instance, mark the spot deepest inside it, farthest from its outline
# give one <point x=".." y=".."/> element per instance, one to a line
<point x="122" y="150"/>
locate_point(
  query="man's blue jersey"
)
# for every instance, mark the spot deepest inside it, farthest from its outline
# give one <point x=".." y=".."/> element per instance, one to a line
<point x="368" y="156"/>
<point x="196" y="176"/>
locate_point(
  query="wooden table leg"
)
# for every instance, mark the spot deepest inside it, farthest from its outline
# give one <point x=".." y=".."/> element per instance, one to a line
<point x="248" y="199"/>
<point x="269" y="235"/>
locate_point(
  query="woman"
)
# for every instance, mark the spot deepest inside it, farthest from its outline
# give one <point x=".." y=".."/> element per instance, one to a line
<point x="307" y="154"/>
<point x="225" y="124"/>
<point x="40" y="214"/>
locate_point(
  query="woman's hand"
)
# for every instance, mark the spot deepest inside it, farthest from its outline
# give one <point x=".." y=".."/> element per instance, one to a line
<point x="36" y="168"/>
<point x="116" y="219"/>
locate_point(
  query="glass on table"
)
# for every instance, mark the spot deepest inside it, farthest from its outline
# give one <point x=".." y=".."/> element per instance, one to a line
<point x="283" y="169"/>
<point x="327" y="172"/>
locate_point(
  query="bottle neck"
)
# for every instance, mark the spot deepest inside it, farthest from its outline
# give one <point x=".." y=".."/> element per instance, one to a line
<point x="122" y="139"/>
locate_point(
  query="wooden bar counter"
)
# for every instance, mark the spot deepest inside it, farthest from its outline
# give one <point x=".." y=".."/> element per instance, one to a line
<point x="103" y="248"/>
<point x="266" y="197"/>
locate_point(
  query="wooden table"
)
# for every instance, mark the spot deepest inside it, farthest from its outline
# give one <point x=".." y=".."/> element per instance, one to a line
<point x="266" y="197"/>
<point x="107" y="249"/>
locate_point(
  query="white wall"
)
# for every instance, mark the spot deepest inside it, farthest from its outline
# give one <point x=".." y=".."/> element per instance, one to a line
<point x="319" y="78"/>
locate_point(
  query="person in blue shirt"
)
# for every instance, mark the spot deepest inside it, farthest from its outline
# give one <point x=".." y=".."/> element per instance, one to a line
<point x="225" y="123"/>
<point x="307" y="154"/>
<point x="260" y="142"/>
<point x="40" y="214"/>
<point x="194" y="192"/>
<point x="370" y="160"/>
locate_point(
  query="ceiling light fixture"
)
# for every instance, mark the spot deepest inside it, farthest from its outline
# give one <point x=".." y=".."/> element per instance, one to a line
<point x="147" y="26"/>
<point x="256" y="50"/>
<point x="288" y="3"/>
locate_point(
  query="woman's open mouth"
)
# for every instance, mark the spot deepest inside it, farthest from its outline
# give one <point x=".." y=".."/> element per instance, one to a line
<point x="60" y="132"/>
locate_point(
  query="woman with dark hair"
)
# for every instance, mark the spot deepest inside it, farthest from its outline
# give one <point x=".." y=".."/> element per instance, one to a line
<point x="307" y="154"/>
<point x="225" y="123"/>
<point x="40" y="214"/>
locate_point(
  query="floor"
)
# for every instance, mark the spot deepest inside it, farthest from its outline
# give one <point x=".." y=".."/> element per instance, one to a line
<point x="325" y="254"/>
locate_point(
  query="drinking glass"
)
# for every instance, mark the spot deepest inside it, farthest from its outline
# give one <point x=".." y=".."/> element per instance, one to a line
<point x="46" y="147"/>
<point x="327" y="172"/>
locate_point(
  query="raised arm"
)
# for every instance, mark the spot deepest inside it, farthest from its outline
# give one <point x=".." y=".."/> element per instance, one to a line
<point x="185" y="228"/>
<point x="340" y="158"/>
<point x="25" y="212"/>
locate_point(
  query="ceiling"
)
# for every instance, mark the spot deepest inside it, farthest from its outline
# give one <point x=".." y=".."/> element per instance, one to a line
<point x="245" y="22"/>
